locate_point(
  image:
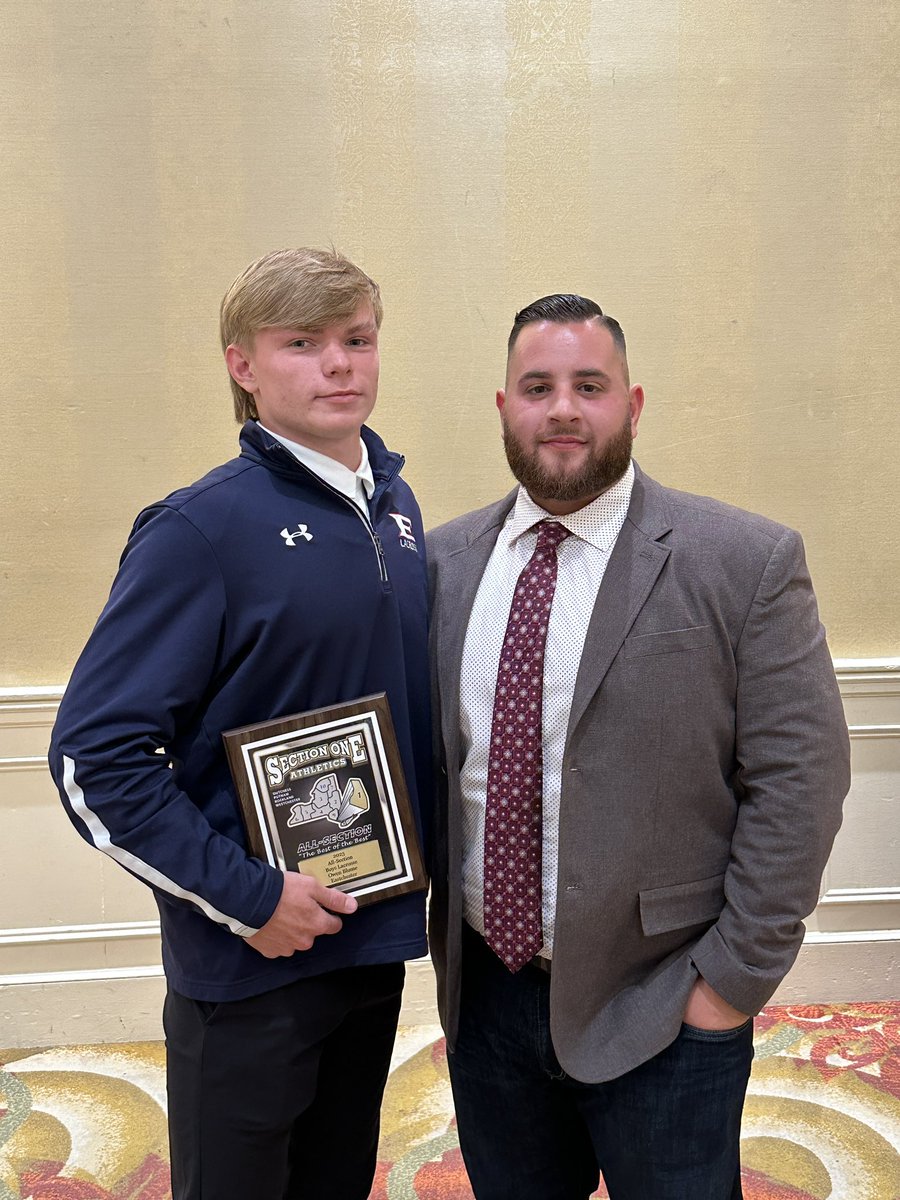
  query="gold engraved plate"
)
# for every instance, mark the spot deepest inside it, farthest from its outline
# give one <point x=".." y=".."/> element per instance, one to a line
<point x="343" y="865"/>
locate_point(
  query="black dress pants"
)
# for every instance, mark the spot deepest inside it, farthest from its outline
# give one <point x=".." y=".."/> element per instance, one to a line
<point x="278" y="1097"/>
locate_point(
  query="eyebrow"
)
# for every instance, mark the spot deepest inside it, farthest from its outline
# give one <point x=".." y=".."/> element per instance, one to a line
<point x="359" y="327"/>
<point x="583" y="373"/>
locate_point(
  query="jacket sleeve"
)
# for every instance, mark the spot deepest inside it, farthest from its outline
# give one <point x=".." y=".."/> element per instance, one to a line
<point x="141" y="680"/>
<point x="793" y="762"/>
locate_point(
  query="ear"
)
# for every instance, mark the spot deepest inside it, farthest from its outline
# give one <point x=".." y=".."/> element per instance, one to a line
<point x="635" y="406"/>
<point x="240" y="368"/>
<point x="501" y="399"/>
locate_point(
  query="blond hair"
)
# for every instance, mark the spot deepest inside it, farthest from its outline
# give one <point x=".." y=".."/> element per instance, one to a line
<point x="291" y="289"/>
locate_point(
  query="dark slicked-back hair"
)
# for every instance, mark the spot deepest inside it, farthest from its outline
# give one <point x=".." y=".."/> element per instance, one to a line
<point x="564" y="309"/>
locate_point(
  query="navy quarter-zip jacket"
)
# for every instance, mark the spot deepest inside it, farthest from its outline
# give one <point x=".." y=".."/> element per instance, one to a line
<point x="217" y="619"/>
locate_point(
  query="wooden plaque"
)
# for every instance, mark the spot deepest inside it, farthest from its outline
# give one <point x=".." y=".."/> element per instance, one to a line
<point x="323" y="793"/>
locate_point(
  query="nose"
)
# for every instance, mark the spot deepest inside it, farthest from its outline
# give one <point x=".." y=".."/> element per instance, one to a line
<point x="335" y="359"/>
<point x="564" y="406"/>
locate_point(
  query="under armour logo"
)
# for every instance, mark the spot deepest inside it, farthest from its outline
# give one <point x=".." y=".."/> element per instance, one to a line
<point x="300" y="532"/>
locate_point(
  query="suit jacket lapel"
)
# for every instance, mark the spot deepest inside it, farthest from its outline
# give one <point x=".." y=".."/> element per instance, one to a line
<point x="634" y="566"/>
<point x="460" y="576"/>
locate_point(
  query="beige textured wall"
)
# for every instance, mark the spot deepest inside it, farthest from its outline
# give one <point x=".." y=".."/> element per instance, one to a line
<point x="721" y="176"/>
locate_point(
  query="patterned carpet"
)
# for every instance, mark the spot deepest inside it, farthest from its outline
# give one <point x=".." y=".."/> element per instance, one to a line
<point x="822" y="1120"/>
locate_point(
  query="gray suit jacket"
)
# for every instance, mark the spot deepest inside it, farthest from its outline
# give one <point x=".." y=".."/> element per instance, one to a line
<point x="706" y="762"/>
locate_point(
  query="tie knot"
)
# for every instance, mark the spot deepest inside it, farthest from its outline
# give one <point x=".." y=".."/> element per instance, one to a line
<point x="550" y="534"/>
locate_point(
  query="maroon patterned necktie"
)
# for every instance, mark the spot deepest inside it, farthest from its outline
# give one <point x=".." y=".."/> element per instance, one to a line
<point x="512" y="819"/>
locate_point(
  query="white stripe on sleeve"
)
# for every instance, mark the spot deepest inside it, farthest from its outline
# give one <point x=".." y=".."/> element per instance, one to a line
<point x="100" y="836"/>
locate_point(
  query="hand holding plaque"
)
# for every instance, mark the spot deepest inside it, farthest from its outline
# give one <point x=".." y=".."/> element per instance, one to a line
<point x="323" y="793"/>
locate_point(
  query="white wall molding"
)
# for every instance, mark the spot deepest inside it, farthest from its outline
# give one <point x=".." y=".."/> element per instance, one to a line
<point x="101" y="975"/>
<point x="852" y="938"/>
<point x="868" y="668"/>
<point x="50" y="934"/>
<point x="28" y="706"/>
<point x="851" y="896"/>
<point x="26" y="762"/>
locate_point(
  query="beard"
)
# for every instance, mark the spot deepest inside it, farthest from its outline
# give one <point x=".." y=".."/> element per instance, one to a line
<point x="603" y="467"/>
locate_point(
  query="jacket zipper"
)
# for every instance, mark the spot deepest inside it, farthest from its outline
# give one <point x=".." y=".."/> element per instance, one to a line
<point x="370" y="528"/>
<point x="376" y="540"/>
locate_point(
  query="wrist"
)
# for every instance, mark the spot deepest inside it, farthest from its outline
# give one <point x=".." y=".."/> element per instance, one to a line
<point x="706" y="1009"/>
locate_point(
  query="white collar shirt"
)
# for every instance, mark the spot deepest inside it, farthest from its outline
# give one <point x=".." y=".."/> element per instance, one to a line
<point x="358" y="485"/>
<point x="582" y="560"/>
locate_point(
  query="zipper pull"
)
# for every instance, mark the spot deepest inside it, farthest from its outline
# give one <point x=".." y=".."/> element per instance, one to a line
<point x="382" y="562"/>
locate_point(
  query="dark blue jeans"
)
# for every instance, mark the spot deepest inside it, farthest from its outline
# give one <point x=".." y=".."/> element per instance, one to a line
<point x="668" y="1130"/>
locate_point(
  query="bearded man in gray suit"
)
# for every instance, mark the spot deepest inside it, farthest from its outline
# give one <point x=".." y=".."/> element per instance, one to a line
<point x="643" y="760"/>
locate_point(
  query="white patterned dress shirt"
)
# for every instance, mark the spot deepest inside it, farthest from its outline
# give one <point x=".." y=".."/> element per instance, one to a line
<point x="582" y="561"/>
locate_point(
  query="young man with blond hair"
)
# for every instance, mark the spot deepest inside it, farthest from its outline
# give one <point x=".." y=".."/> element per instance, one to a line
<point x="290" y="578"/>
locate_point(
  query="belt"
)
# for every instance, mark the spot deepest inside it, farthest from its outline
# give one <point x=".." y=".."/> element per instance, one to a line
<point x="477" y="939"/>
